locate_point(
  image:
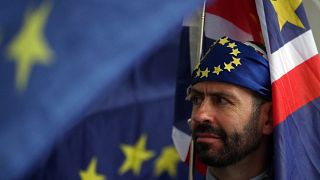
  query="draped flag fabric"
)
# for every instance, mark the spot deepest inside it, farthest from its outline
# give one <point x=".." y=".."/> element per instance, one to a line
<point x="127" y="134"/>
<point x="294" y="67"/>
<point x="58" y="58"/>
<point x="295" y="76"/>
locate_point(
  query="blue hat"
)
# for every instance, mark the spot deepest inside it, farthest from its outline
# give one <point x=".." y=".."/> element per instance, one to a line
<point x="230" y="61"/>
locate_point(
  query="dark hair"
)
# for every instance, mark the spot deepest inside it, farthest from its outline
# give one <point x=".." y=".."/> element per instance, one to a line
<point x="257" y="101"/>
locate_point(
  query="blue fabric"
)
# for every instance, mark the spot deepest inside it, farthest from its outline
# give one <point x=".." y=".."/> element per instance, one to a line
<point x="141" y="104"/>
<point x="296" y="144"/>
<point x="296" y="138"/>
<point x="249" y="70"/>
<point x="92" y="44"/>
<point x="182" y="107"/>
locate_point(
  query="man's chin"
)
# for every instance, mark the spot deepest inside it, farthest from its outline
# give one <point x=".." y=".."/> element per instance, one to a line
<point x="209" y="147"/>
<point x="213" y="155"/>
<point x="212" y="160"/>
<point x="210" y="154"/>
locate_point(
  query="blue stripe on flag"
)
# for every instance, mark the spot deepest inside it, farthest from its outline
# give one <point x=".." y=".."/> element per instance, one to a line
<point x="297" y="144"/>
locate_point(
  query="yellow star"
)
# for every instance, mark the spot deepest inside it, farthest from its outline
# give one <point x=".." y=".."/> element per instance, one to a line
<point x="90" y="173"/>
<point x="236" y="61"/>
<point x="232" y="45"/>
<point x="198" y="73"/>
<point x="286" y="12"/>
<point x="235" y="52"/>
<point x="223" y="41"/>
<point x="197" y="66"/>
<point x="135" y="155"/>
<point x="205" y="73"/>
<point x="228" y="66"/>
<point x="167" y="161"/>
<point x="217" y="70"/>
<point x="29" y="46"/>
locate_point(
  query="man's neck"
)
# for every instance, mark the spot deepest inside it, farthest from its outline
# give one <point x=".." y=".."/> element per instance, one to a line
<point x="249" y="167"/>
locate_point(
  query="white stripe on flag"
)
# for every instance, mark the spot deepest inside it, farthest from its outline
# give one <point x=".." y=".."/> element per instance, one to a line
<point x="291" y="55"/>
<point x="216" y="27"/>
<point x="181" y="141"/>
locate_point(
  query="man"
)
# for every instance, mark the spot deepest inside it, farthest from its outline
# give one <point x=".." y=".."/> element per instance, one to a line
<point x="231" y="117"/>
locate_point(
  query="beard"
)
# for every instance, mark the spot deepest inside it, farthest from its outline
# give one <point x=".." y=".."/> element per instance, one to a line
<point x="236" y="146"/>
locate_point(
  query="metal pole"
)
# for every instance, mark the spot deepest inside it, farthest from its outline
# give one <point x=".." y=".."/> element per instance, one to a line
<point x="202" y="18"/>
<point x="191" y="160"/>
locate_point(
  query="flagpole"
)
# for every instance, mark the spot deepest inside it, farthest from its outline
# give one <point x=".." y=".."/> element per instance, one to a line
<point x="202" y="18"/>
<point x="199" y="51"/>
<point x="191" y="163"/>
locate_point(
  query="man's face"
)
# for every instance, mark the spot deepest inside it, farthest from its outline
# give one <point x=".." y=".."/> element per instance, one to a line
<point x="225" y="123"/>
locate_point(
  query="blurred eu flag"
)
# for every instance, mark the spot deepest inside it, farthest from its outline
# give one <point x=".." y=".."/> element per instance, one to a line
<point x="58" y="58"/>
<point x="127" y="134"/>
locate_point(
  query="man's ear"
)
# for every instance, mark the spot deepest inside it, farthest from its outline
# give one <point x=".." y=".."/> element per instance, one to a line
<point x="266" y="119"/>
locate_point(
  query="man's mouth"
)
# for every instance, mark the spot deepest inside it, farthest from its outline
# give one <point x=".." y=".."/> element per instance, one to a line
<point x="207" y="137"/>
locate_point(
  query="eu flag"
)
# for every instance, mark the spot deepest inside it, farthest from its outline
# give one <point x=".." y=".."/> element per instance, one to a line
<point x="127" y="134"/>
<point x="58" y="58"/>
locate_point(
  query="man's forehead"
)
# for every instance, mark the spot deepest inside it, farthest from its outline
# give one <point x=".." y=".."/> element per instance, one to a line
<point x="210" y="87"/>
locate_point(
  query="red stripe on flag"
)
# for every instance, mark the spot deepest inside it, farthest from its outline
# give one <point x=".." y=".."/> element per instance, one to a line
<point x="295" y="89"/>
<point x="243" y="14"/>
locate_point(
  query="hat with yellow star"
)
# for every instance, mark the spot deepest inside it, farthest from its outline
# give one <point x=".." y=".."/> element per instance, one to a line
<point x="230" y="61"/>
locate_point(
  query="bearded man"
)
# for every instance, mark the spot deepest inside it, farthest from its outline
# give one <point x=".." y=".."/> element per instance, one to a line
<point x="231" y="118"/>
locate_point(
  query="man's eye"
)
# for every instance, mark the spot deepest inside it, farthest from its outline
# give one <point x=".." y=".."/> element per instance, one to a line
<point x="196" y="100"/>
<point x="221" y="100"/>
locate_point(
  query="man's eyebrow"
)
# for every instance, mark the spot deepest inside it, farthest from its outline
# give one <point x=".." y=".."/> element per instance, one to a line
<point x="217" y="94"/>
<point x="192" y="90"/>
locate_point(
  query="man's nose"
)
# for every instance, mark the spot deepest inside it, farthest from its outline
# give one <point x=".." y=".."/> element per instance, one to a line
<point x="205" y="112"/>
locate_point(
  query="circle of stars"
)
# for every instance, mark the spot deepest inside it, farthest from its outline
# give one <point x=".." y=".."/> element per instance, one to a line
<point x="227" y="66"/>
